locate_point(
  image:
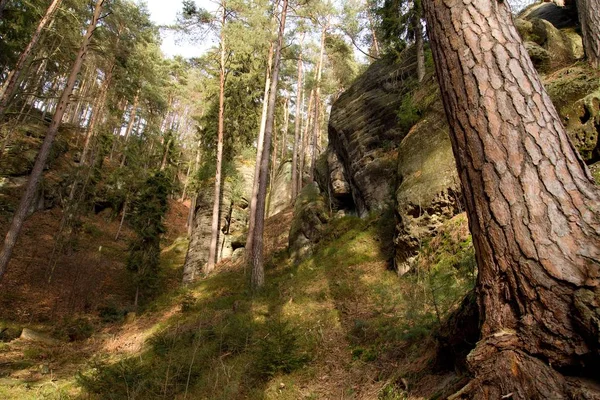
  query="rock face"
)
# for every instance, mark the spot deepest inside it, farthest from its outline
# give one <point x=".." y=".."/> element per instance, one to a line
<point x="575" y="91"/>
<point x="280" y="195"/>
<point x="233" y="221"/>
<point x="364" y="134"/>
<point x="429" y="191"/>
<point x="549" y="47"/>
<point x="310" y="216"/>
<point x="389" y="147"/>
<point x="389" y="143"/>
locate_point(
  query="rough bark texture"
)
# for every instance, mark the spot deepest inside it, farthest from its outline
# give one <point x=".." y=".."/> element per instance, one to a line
<point x="259" y="150"/>
<point x="316" y="124"/>
<point x="258" y="272"/>
<point x="40" y="162"/>
<point x="11" y="82"/>
<point x="589" y="18"/>
<point x="217" y="199"/>
<point x="532" y="204"/>
<point x="297" y="122"/>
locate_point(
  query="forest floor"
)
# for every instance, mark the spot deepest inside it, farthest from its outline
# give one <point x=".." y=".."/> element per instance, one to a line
<point x="76" y="307"/>
<point x="339" y="325"/>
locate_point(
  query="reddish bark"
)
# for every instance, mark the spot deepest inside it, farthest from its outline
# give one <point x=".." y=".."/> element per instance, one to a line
<point x="212" y="255"/>
<point x="258" y="272"/>
<point x="259" y="150"/>
<point x="298" y="124"/>
<point x="534" y="210"/>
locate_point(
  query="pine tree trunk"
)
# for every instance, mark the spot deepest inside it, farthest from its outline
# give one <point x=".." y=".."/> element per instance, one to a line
<point x="212" y="255"/>
<point x="309" y="114"/>
<point x="374" y="33"/>
<point x="97" y="113"/>
<point x="259" y="150"/>
<point x="419" y="44"/>
<point x="316" y="125"/>
<point x="165" y="158"/>
<point x="286" y="127"/>
<point x="298" y="124"/>
<point x="40" y="162"/>
<point x="130" y="126"/>
<point x="258" y="272"/>
<point x="589" y="18"/>
<point x="533" y="208"/>
<point x="8" y="87"/>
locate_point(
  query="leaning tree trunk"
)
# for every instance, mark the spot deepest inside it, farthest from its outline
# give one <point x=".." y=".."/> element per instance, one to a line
<point x="40" y="162"/>
<point x="298" y="123"/>
<point x="316" y="124"/>
<point x="259" y="150"/>
<point x="589" y="18"/>
<point x="212" y="251"/>
<point x="533" y="208"/>
<point x="8" y="88"/>
<point x="258" y="271"/>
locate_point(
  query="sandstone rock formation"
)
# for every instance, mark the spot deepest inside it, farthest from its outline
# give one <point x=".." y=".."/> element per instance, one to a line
<point x="364" y="133"/>
<point x="280" y="194"/>
<point x="233" y="221"/>
<point x="388" y="138"/>
<point x="310" y="216"/>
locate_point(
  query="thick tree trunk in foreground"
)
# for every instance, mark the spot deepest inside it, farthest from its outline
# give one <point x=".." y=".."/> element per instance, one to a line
<point x="212" y="252"/>
<point x="259" y="150"/>
<point x="258" y="271"/>
<point x="589" y="18"/>
<point x="40" y="162"/>
<point x="534" y="210"/>
<point x="298" y="124"/>
<point x="10" y="84"/>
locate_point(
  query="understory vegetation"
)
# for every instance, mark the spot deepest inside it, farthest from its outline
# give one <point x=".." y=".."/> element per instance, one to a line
<point x="341" y="310"/>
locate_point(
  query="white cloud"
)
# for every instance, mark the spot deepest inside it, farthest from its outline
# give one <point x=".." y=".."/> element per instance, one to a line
<point x="164" y="12"/>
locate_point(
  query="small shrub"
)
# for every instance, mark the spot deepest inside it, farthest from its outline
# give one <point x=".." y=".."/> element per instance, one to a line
<point x="124" y="379"/>
<point x="111" y="314"/>
<point x="392" y="392"/>
<point x="187" y="302"/>
<point x="234" y="334"/>
<point x="279" y="351"/>
<point x="76" y="329"/>
<point x="408" y="114"/>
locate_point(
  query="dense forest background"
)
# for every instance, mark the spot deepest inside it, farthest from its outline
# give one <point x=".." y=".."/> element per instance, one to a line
<point x="374" y="199"/>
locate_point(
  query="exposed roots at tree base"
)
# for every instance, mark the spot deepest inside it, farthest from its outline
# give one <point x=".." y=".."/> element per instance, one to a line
<point x="502" y="371"/>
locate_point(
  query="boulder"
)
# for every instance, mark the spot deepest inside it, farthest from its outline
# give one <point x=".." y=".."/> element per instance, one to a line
<point x="428" y="193"/>
<point x="33" y="336"/>
<point x="575" y="91"/>
<point x="310" y="216"/>
<point x="550" y="37"/>
<point x="364" y="132"/>
<point x="280" y="195"/>
<point x="233" y="221"/>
